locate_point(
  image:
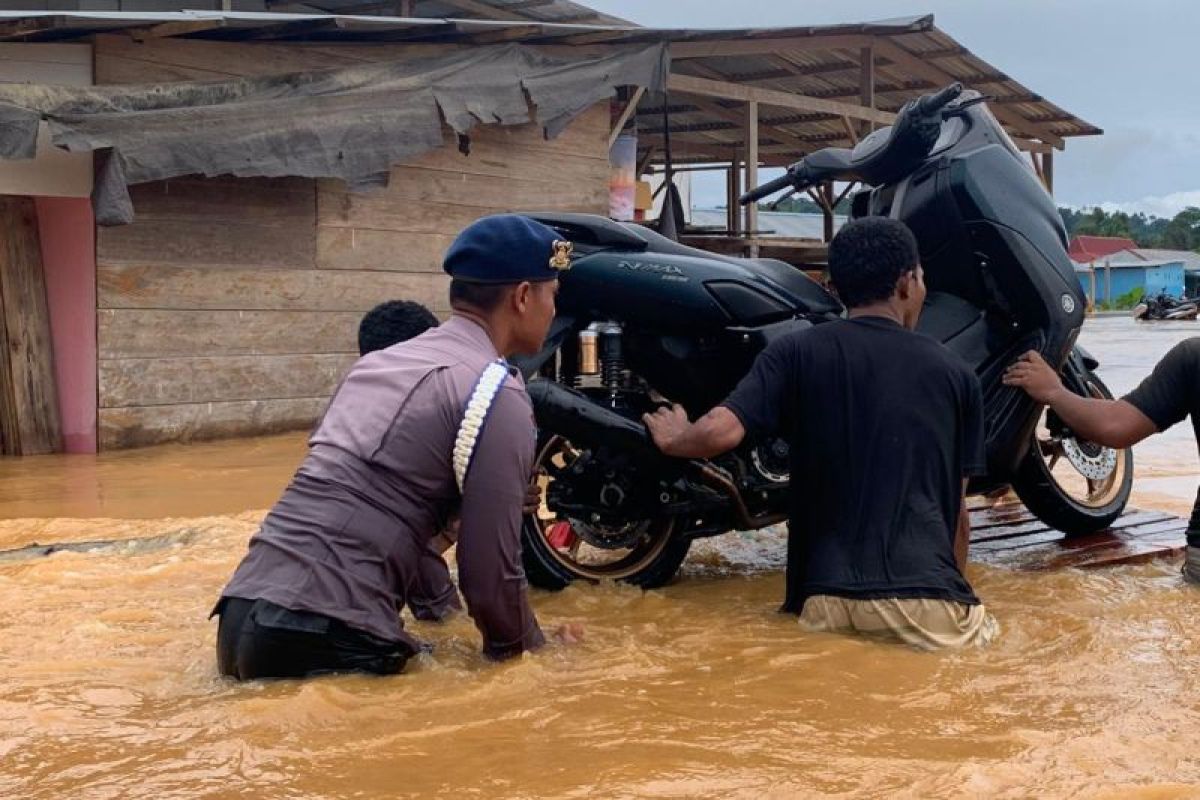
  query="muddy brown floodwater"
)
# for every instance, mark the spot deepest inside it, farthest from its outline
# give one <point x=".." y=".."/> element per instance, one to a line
<point x="108" y="687"/>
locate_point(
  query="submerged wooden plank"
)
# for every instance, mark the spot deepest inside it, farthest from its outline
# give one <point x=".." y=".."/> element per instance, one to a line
<point x="1038" y="532"/>
<point x="1137" y="536"/>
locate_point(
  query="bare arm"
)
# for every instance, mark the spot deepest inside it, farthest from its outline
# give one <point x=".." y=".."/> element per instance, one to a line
<point x="717" y="432"/>
<point x="1112" y="423"/>
<point x="962" y="537"/>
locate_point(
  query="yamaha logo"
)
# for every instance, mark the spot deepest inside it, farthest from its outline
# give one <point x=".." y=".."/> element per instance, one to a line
<point x="1068" y="303"/>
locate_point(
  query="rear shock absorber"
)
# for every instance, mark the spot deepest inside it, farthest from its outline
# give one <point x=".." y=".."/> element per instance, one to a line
<point x="601" y="356"/>
<point x="612" y="359"/>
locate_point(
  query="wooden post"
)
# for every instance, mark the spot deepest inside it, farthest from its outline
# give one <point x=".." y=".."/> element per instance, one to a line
<point x="752" y="171"/>
<point x="735" y="191"/>
<point x="626" y="113"/>
<point x="866" y="85"/>
<point x="29" y="423"/>
<point x="730" y="199"/>
<point x="1048" y="171"/>
<point x="827" y="193"/>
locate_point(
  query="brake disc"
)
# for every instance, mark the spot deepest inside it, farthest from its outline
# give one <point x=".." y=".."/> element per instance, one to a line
<point x="1096" y="466"/>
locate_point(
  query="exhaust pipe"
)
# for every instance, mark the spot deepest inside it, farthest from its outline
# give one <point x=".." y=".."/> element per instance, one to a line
<point x="581" y="421"/>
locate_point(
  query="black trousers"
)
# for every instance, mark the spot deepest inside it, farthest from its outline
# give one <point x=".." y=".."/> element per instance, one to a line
<point x="258" y="639"/>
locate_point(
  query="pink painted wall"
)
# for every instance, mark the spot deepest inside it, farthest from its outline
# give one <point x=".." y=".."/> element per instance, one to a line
<point x="68" y="233"/>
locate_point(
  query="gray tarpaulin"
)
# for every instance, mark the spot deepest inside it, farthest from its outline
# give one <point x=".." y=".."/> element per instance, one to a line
<point x="351" y="123"/>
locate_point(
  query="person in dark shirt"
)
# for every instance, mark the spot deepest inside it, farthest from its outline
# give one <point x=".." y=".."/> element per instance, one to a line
<point x="1170" y="393"/>
<point x="884" y="426"/>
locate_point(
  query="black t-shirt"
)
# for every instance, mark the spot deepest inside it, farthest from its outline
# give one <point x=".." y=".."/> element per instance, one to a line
<point x="883" y="425"/>
<point x="1171" y="393"/>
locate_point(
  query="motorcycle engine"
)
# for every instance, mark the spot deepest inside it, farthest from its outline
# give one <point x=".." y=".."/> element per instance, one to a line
<point x="770" y="461"/>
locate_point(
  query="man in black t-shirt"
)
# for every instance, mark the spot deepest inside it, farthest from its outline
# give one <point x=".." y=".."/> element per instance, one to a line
<point x="884" y="426"/>
<point x="1170" y="393"/>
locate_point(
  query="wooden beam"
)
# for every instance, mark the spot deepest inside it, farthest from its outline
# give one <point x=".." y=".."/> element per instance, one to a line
<point x="752" y="170"/>
<point x="28" y="395"/>
<point x="775" y="132"/>
<point x="524" y="4"/>
<point x="20" y="29"/>
<point x="644" y="163"/>
<point x="827" y="193"/>
<point x="626" y="113"/>
<point x="787" y="137"/>
<point x="1031" y="146"/>
<point x="898" y="55"/>
<point x="735" y="191"/>
<point x="745" y="47"/>
<point x="509" y="34"/>
<point x="485" y="10"/>
<point x="850" y="132"/>
<point x="169" y="29"/>
<point x="866" y="84"/>
<point x="1037" y="167"/>
<point x="1048" y="171"/>
<point x="771" y="97"/>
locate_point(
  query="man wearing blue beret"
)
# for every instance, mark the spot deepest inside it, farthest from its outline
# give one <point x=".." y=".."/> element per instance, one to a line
<point x="416" y="432"/>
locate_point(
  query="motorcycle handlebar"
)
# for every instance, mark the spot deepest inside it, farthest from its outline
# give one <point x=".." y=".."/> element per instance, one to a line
<point x="770" y="187"/>
<point x="938" y="100"/>
<point x="927" y="106"/>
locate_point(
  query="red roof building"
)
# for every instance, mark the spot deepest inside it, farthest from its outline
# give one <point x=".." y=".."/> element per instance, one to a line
<point x="1085" y="249"/>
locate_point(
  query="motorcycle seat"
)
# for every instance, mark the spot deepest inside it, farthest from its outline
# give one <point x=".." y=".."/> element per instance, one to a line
<point x="592" y="229"/>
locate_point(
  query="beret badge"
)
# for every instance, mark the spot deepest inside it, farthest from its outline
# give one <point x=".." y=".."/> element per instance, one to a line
<point x="561" y="260"/>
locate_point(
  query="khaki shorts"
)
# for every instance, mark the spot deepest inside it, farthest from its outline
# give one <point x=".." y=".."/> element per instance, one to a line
<point x="922" y="623"/>
<point x="1191" y="565"/>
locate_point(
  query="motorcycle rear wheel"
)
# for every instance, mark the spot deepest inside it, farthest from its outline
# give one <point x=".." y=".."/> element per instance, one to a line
<point x="555" y="556"/>
<point x="1058" y="494"/>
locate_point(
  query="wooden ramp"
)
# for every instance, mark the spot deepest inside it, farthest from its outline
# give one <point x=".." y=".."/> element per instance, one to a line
<point x="1007" y="535"/>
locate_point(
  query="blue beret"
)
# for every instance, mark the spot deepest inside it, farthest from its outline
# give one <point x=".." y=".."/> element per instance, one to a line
<point x="507" y="248"/>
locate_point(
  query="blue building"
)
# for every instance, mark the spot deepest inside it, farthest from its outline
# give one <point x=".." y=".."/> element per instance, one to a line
<point x="1106" y="280"/>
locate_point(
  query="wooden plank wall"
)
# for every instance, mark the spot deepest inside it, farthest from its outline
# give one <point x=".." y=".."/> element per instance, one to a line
<point x="29" y="421"/>
<point x="230" y="306"/>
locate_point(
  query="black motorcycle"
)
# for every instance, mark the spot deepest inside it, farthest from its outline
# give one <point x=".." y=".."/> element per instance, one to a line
<point x="1165" y="307"/>
<point x="643" y="319"/>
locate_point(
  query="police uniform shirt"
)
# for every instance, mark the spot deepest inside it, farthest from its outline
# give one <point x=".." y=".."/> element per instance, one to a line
<point x="346" y="538"/>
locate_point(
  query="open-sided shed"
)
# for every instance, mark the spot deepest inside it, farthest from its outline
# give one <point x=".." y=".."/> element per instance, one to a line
<point x="228" y="305"/>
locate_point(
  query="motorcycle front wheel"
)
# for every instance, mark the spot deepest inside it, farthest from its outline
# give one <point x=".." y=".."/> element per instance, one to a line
<point x="1073" y="485"/>
<point x="558" y="550"/>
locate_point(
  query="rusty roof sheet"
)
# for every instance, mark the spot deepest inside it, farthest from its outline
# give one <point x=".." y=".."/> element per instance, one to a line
<point x="911" y="56"/>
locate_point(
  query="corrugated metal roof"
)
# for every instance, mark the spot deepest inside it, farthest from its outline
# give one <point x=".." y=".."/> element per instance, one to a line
<point x="910" y="56"/>
<point x="561" y="11"/>
<point x="1153" y="257"/>
<point x="1140" y="259"/>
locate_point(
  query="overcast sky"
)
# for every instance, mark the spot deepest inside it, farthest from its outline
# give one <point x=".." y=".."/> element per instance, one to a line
<point x="1129" y="68"/>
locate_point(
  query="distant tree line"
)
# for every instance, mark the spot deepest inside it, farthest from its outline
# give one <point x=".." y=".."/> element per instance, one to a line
<point x="797" y="204"/>
<point x="1179" y="233"/>
<point x="1182" y="232"/>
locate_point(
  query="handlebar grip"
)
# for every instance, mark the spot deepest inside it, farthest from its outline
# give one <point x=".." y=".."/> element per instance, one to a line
<point x="938" y="100"/>
<point x="770" y="187"/>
